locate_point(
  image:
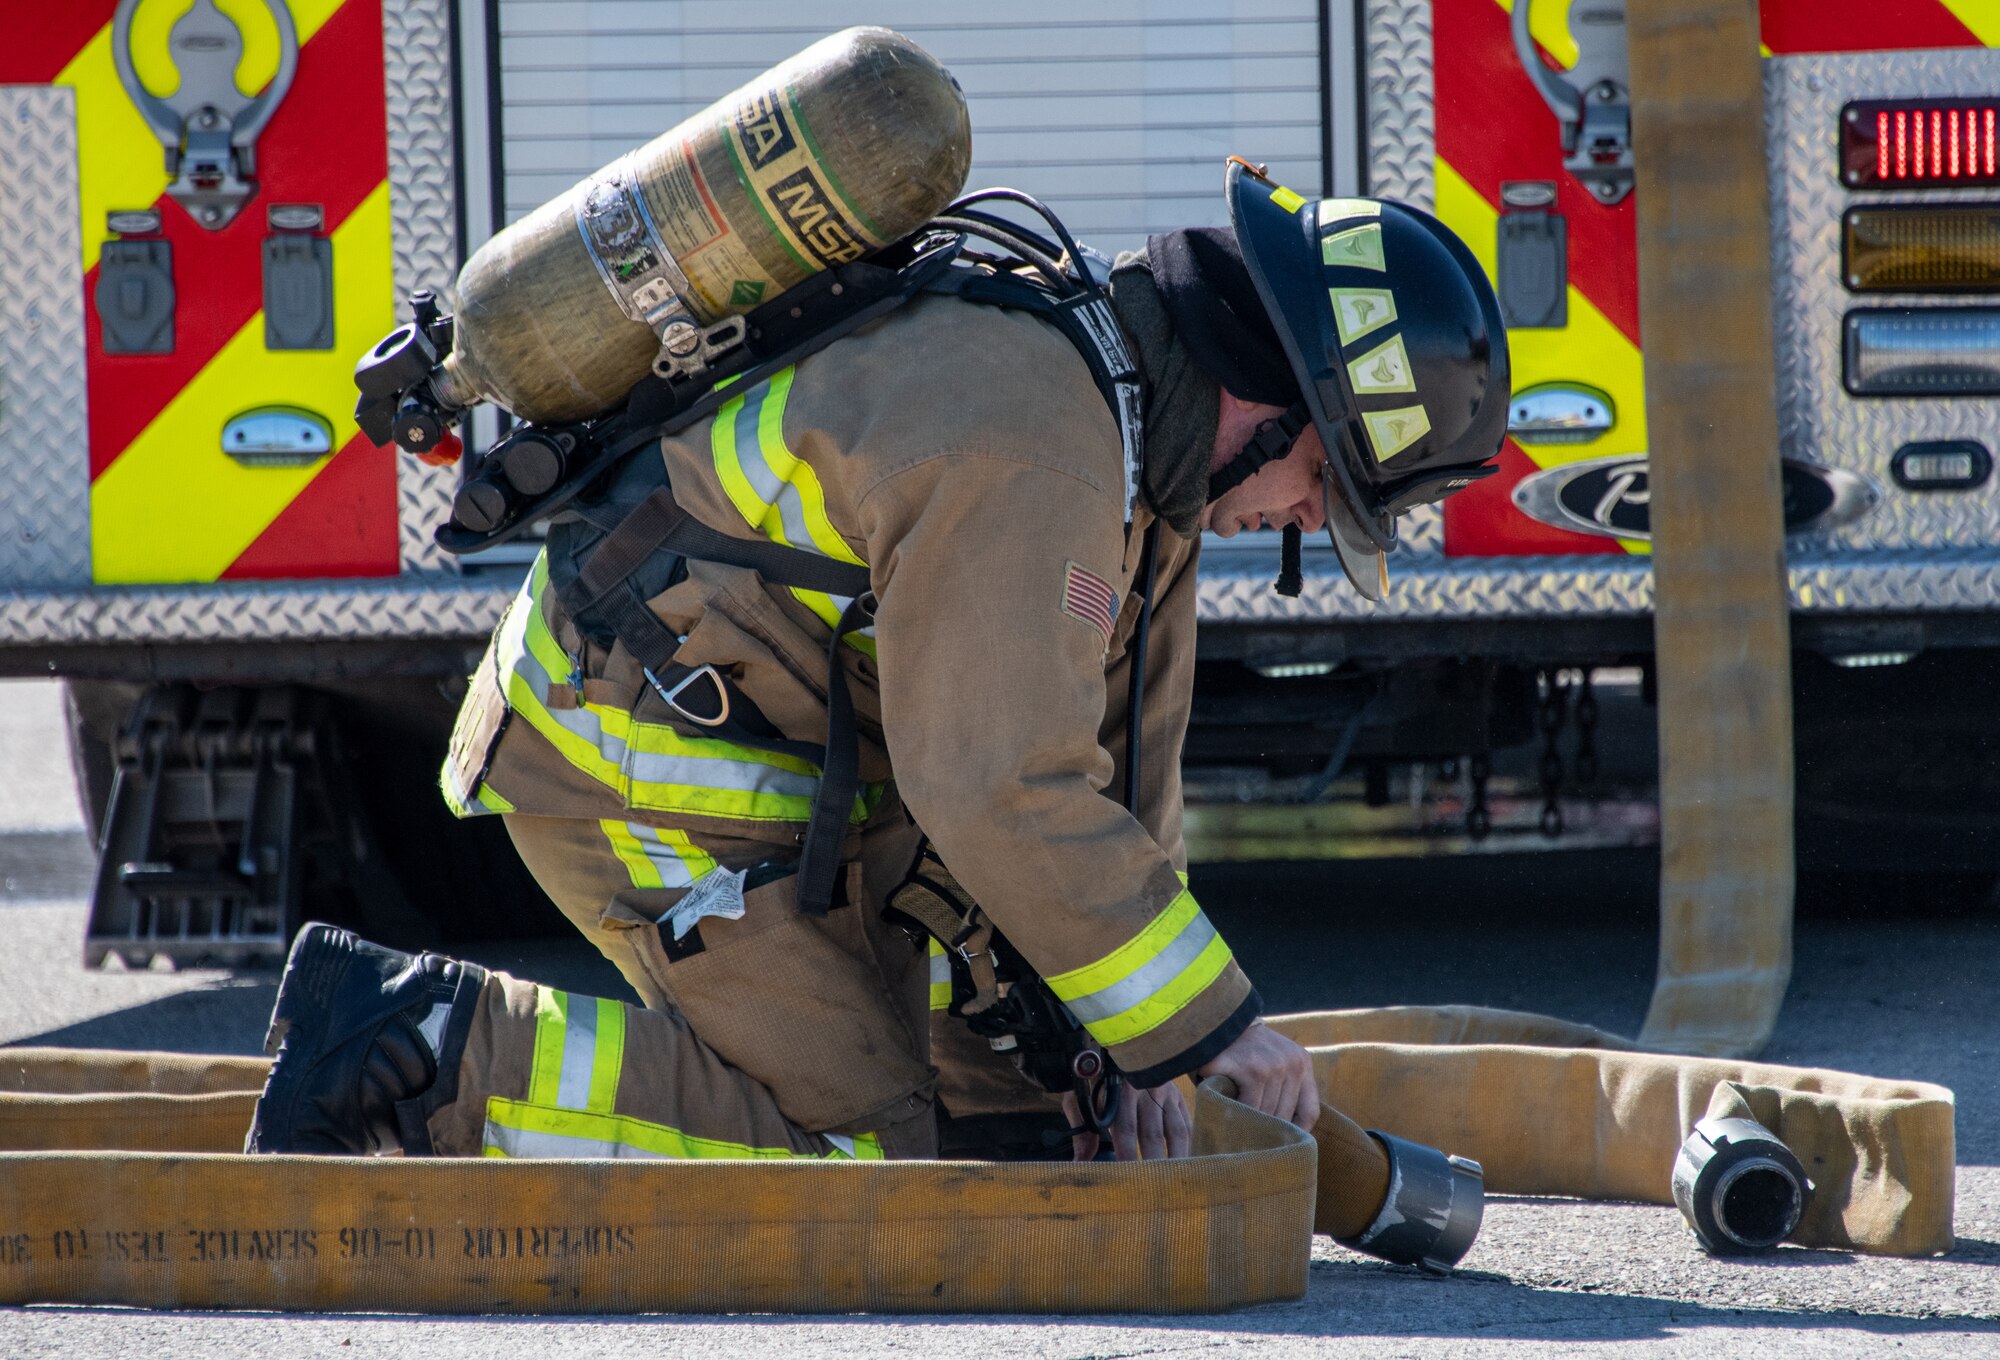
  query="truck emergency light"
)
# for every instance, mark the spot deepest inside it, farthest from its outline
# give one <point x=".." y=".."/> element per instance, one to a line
<point x="1912" y="143"/>
<point x="1922" y="352"/>
<point x="1930" y="248"/>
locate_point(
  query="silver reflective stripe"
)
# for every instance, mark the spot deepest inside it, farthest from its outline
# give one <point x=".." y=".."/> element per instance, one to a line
<point x="665" y="859"/>
<point x="579" y="1052"/>
<point x="774" y="490"/>
<point x="770" y="488"/>
<point x="521" y="1143"/>
<point x="1140" y="985"/>
<point x="649" y="767"/>
<point x="941" y="969"/>
<point x="844" y="1144"/>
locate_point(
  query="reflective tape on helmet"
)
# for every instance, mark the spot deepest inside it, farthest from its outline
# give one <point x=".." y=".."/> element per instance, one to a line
<point x="1150" y="978"/>
<point x="649" y="765"/>
<point x="657" y="857"/>
<point x="523" y="1129"/>
<point x="579" y="1049"/>
<point x="777" y="492"/>
<point x="940" y="978"/>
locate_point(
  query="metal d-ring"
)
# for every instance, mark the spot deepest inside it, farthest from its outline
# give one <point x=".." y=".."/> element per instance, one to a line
<point x="671" y="697"/>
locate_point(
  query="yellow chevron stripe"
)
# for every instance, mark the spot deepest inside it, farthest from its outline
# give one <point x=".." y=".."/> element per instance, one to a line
<point x="1981" y="16"/>
<point x="121" y="162"/>
<point x="1549" y="22"/>
<point x="173" y="507"/>
<point x="1590" y="349"/>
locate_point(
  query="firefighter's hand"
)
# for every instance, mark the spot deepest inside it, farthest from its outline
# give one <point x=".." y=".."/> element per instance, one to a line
<point x="1272" y="1074"/>
<point x="1150" y="1123"/>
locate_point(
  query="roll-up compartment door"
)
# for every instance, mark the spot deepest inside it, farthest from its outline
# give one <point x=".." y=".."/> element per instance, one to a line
<point x="1118" y="115"/>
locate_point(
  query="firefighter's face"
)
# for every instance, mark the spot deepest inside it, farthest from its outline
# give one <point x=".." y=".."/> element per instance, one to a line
<point x="1283" y="492"/>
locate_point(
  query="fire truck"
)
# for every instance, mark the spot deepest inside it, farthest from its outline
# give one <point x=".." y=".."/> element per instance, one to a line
<point x="209" y="209"/>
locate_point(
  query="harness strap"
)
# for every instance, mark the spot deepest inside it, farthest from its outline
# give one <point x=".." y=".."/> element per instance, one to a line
<point x="840" y="772"/>
<point x="932" y="899"/>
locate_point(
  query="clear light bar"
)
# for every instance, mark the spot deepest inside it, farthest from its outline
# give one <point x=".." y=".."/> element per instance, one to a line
<point x="1928" y="249"/>
<point x="1922" y="352"/>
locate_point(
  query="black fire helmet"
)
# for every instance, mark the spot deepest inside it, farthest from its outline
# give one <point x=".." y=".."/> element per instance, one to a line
<point x="1394" y="335"/>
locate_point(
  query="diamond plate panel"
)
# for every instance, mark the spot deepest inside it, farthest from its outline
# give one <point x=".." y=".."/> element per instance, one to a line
<point x="1402" y="135"/>
<point x="1836" y="582"/>
<point x="1817" y="420"/>
<point x="44" y="436"/>
<point x="430" y="605"/>
<point x="1402" y="131"/>
<point x="423" y="212"/>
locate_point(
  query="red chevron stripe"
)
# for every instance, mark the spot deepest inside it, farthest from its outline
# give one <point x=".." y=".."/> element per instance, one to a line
<point x="1481" y="520"/>
<point x="327" y="144"/>
<point x="36" y="51"/>
<point x="342" y="524"/>
<point x="1792" y="26"/>
<point x="1492" y="126"/>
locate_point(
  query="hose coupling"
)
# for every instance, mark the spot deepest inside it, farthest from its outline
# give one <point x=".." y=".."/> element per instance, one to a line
<point x="1739" y="1187"/>
<point x="1433" y="1209"/>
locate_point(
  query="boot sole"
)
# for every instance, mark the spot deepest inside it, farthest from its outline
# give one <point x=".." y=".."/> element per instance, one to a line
<point x="319" y="959"/>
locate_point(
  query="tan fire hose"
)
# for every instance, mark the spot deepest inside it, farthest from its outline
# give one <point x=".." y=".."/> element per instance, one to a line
<point x="120" y="1186"/>
<point x="1722" y="641"/>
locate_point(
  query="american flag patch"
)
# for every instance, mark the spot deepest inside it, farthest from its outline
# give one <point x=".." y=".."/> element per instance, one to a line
<point x="1089" y="597"/>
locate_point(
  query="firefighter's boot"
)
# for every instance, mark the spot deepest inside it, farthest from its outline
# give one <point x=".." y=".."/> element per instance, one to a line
<point x="365" y="1043"/>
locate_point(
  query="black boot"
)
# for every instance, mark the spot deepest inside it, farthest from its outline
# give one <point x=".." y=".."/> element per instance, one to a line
<point x="365" y="1042"/>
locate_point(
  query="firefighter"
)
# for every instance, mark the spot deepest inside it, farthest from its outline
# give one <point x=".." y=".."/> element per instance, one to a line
<point x="1326" y="364"/>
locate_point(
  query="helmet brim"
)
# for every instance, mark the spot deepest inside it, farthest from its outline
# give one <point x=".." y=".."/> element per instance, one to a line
<point x="1360" y="558"/>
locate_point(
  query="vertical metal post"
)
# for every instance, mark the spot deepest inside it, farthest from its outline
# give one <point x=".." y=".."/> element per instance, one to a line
<point x="1722" y="623"/>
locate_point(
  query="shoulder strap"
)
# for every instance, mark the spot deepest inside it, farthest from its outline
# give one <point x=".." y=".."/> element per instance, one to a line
<point x="1088" y="323"/>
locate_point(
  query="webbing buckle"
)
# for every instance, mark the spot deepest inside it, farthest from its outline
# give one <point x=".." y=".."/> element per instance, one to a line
<point x="671" y="697"/>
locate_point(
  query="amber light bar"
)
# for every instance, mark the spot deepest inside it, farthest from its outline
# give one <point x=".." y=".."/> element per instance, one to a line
<point x="1922" y="249"/>
<point x="1911" y="143"/>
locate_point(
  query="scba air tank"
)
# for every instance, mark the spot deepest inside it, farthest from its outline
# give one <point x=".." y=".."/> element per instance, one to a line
<point x="852" y="144"/>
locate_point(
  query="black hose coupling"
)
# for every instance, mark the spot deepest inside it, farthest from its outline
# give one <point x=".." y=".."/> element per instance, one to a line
<point x="1740" y="1188"/>
<point x="1433" y="1209"/>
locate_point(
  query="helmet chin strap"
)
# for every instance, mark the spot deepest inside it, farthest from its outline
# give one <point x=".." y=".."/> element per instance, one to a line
<point x="1273" y="440"/>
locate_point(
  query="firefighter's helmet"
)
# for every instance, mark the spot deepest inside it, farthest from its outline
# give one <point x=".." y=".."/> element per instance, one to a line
<point x="1394" y="335"/>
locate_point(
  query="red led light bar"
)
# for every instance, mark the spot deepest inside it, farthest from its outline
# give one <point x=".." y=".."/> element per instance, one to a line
<point x="1938" y="143"/>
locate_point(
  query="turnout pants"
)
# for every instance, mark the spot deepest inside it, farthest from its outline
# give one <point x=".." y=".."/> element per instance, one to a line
<point x="765" y="1032"/>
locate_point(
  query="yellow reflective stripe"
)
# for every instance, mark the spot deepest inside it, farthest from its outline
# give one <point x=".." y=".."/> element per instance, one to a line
<point x="863" y="1147"/>
<point x="1166" y="1003"/>
<point x="789" y="467"/>
<point x="649" y="765"/>
<point x="1148" y="979"/>
<point x="657" y="857"/>
<point x="625" y="845"/>
<point x="491" y="801"/>
<point x="940" y="978"/>
<point x="551" y="1027"/>
<point x="1131" y="956"/>
<point x="606" y="1062"/>
<point x="777" y="492"/>
<point x="578" y="1053"/>
<point x="522" y="1129"/>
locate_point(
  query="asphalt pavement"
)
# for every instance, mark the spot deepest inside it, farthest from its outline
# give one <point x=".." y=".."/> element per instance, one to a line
<point x="1899" y="988"/>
